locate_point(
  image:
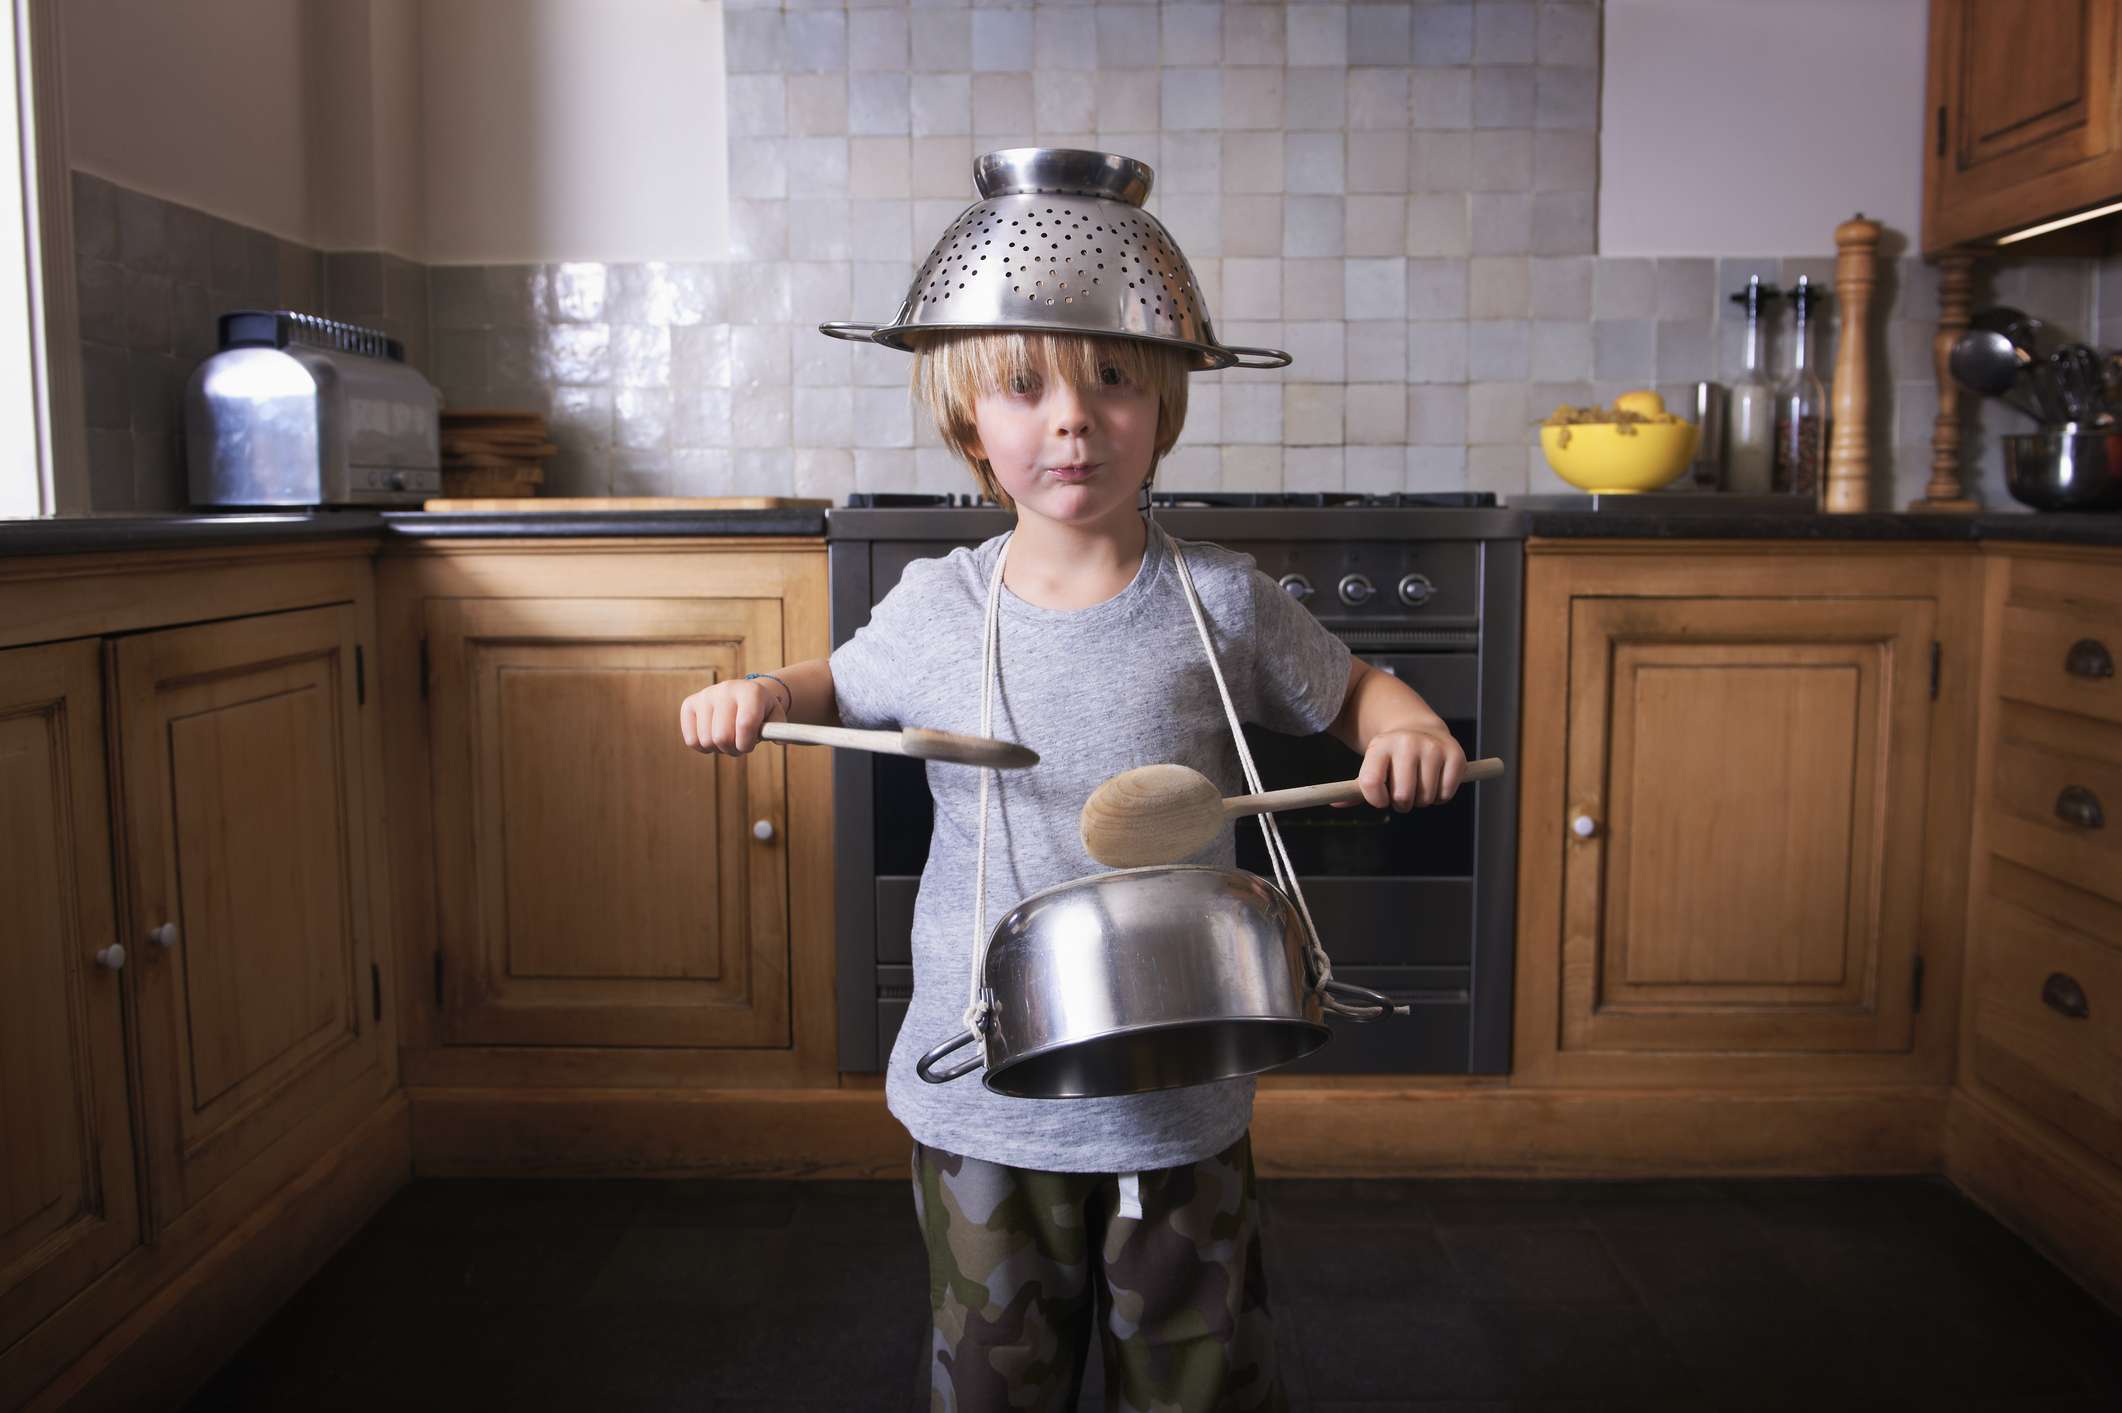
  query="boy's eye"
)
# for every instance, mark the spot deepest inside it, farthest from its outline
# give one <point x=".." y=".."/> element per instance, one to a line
<point x="1111" y="377"/>
<point x="1023" y="384"/>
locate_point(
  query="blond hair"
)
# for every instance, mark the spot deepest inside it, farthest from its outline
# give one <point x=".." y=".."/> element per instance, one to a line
<point x="953" y="371"/>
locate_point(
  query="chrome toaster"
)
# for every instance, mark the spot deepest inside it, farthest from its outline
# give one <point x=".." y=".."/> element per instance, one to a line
<point x="296" y="410"/>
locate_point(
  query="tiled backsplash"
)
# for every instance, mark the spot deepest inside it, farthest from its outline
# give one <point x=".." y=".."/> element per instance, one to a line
<point x="152" y="278"/>
<point x="1402" y="195"/>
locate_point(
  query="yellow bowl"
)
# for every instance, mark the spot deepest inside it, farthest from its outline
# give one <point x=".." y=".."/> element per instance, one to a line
<point x="1607" y="458"/>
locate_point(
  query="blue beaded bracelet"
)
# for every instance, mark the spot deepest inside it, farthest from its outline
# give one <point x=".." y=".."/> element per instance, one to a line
<point x="791" y="706"/>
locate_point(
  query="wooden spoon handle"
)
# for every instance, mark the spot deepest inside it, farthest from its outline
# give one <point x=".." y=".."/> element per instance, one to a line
<point x="846" y="737"/>
<point x="1305" y="796"/>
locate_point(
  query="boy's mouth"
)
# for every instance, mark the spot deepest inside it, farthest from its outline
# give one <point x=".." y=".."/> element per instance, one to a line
<point x="1076" y="471"/>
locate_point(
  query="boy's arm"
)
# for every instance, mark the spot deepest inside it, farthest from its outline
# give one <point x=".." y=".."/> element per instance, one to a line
<point x="810" y="684"/>
<point x="1409" y="756"/>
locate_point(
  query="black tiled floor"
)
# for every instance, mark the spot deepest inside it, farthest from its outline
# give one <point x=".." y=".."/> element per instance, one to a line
<point x="1445" y="1297"/>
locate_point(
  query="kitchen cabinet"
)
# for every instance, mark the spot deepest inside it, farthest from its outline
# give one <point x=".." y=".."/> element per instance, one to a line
<point x="2022" y="115"/>
<point x="2037" y="1130"/>
<point x="193" y="1027"/>
<point x="1729" y="814"/>
<point x="586" y="904"/>
<point x="607" y="886"/>
<point x="249" y="884"/>
<point x="67" y="1207"/>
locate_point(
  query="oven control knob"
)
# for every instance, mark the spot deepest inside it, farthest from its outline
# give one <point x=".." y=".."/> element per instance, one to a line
<point x="1355" y="590"/>
<point x="397" y="481"/>
<point x="1416" y="590"/>
<point x="1296" y="586"/>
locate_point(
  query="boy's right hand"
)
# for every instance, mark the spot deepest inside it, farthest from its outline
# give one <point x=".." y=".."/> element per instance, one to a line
<point x="725" y="719"/>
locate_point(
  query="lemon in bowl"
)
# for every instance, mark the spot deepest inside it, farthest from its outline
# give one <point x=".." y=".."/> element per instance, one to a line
<point x="1638" y="446"/>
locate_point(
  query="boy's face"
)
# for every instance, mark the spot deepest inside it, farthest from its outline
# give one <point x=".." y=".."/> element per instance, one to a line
<point x="1069" y="454"/>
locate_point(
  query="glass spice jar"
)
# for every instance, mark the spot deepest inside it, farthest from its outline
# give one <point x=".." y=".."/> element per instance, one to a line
<point x="1801" y="408"/>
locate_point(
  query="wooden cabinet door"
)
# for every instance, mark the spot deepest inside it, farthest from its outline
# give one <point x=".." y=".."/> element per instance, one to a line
<point x="1746" y="801"/>
<point x="243" y="792"/>
<point x="68" y="1207"/>
<point x="2023" y="120"/>
<point x="599" y="884"/>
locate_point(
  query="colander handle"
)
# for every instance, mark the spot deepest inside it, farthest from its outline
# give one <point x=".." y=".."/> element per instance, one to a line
<point x="863" y="333"/>
<point x="1274" y="357"/>
<point x="926" y="1065"/>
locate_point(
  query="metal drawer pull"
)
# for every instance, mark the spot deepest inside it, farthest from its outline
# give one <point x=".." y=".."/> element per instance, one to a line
<point x="2062" y="993"/>
<point x="2081" y="807"/>
<point x="2089" y="657"/>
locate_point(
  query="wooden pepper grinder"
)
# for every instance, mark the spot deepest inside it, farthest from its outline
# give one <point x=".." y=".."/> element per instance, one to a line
<point x="1849" y="448"/>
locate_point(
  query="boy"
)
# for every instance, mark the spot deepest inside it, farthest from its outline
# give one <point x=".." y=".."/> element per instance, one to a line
<point x="1136" y="1211"/>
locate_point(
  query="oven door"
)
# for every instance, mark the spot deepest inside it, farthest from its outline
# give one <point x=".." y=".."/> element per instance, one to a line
<point x="1392" y="894"/>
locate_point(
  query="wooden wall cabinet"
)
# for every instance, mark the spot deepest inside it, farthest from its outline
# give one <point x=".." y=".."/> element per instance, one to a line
<point x="192" y="1014"/>
<point x="2023" y="118"/>
<point x="1731" y="808"/>
<point x="585" y="904"/>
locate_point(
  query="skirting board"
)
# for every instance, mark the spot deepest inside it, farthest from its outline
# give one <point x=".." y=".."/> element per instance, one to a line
<point x="2066" y="1204"/>
<point x="843" y="1133"/>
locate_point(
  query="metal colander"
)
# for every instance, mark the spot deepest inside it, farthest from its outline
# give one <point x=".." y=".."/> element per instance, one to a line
<point x="1059" y="242"/>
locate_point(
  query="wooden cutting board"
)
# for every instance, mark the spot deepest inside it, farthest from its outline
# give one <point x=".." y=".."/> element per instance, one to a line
<point x="579" y="503"/>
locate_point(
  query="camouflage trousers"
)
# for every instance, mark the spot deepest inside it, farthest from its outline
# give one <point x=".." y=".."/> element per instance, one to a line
<point x="1164" y="1265"/>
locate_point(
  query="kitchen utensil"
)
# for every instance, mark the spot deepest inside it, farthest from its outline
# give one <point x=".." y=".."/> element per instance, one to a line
<point x="1157" y="814"/>
<point x="947" y="746"/>
<point x="1986" y="361"/>
<point x="1142" y="979"/>
<point x="1059" y="242"/>
<point x="2066" y="467"/>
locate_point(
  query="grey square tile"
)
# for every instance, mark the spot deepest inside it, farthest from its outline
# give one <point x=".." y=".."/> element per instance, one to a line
<point x="1504" y="32"/>
<point x="1562" y="287"/>
<point x="1500" y="287"/>
<point x="1380" y="34"/>
<point x="1443" y="33"/>
<point x="1622" y="349"/>
<point x="1504" y="97"/>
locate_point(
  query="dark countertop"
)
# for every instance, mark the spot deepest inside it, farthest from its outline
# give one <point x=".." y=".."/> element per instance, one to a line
<point x="89" y="534"/>
<point x="118" y="533"/>
<point x="1611" y="524"/>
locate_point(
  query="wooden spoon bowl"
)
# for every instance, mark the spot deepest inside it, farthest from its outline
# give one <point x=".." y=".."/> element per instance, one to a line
<point x="1160" y="814"/>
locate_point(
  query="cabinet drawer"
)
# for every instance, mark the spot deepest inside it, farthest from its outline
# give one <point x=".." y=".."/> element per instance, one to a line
<point x="2062" y="634"/>
<point x="2056" y="796"/>
<point x="2048" y="1005"/>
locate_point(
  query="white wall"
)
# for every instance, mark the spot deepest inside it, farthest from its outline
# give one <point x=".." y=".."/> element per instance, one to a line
<point x="1754" y="127"/>
<point x="22" y="491"/>
<point x="199" y="102"/>
<point x="454" y="131"/>
<point x="572" y="130"/>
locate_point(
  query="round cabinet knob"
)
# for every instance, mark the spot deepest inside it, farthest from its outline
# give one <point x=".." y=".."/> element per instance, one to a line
<point x="1416" y="590"/>
<point x="397" y="480"/>
<point x="1355" y="589"/>
<point x="164" y="936"/>
<point x="763" y="830"/>
<point x="112" y="958"/>
<point x="1296" y="586"/>
<point x="1583" y="826"/>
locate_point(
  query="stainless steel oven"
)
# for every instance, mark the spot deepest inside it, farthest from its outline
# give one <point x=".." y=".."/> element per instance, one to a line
<point x="1417" y="905"/>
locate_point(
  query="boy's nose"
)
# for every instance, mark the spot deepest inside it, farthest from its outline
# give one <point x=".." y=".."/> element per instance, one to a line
<point x="1070" y="413"/>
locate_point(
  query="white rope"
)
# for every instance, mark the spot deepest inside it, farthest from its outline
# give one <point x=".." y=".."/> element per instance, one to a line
<point x="1277" y="855"/>
<point x="975" y="1016"/>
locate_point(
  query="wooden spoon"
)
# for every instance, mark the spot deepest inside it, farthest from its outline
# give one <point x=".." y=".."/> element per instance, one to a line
<point x="913" y="741"/>
<point x="1162" y="813"/>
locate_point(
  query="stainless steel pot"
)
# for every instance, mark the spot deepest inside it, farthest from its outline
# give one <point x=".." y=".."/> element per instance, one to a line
<point x="2065" y="467"/>
<point x="1143" y="979"/>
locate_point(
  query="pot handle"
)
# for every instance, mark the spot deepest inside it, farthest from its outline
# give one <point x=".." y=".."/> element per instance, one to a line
<point x="925" y="1066"/>
<point x="854" y="333"/>
<point x="1364" y="996"/>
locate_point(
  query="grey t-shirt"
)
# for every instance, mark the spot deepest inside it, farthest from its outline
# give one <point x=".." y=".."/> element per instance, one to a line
<point x="1094" y="691"/>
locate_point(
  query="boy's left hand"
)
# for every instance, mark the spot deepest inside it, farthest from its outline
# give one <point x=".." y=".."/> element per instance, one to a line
<point x="1404" y="769"/>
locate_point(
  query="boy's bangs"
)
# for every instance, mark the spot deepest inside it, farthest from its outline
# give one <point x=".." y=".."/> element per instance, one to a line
<point x="993" y="362"/>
